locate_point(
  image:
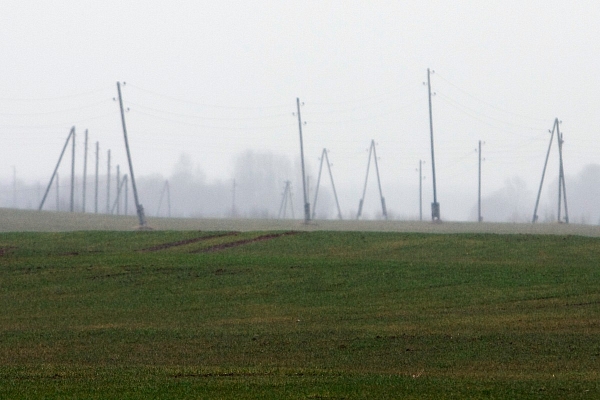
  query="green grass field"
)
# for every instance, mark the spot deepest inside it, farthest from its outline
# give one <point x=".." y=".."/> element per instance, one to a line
<point x="306" y="315"/>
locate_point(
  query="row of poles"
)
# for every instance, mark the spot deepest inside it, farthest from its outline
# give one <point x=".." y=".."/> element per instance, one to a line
<point x="121" y="183"/>
<point x="435" y="205"/>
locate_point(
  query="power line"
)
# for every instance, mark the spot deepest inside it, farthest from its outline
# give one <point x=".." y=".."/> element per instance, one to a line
<point x="246" y="127"/>
<point x="69" y="110"/>
<point x="462" y="108"/>
<point x="206" y="104"/>
<point x="489" y="104"/>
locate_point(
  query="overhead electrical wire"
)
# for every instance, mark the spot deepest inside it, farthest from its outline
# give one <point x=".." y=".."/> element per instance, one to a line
<point x="366" y="118"/>
<point x="468" y="111"/>
<point x="487" y="103"/>
<point x="55" y="111"/>
<point x="63" y="97"/>
<point x="271" y="116"/>
<point x="364" y="99"/>
<point x="59" y="124"/>
<point x="209" y="105"/>
<point x="246" y="127"/>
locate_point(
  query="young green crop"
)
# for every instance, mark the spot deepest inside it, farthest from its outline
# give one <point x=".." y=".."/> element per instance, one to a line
<point x="298" y="315"/>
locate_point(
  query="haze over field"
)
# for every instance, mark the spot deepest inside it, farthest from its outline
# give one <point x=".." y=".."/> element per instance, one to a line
<point x="211" y="91"/>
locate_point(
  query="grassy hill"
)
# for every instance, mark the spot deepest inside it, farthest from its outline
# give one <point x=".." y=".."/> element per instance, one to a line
<point x="288" y="314"/>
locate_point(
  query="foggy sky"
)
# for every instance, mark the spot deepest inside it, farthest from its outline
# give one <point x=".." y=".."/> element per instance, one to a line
<point x="216" y="80"/>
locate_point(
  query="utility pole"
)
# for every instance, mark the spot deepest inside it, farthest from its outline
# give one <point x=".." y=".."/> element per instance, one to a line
<point x="126" y="178"/>
<point x="306" y="203"/>
<point x="71" y="133"/>
<point x="562" y="192"/>
<point x="138" y="206"/>
<point x="337" y="203"/>
<point x="108" y="183"/>
<point x="372" y="152"/>
<point x="162" y="193"/>
<point x="435" y="206"/>
<point x="233" y="211"/>
<point x="72" y="203"/>
<point x="420" y="190"/>
<point x="118" y="188"/>
<point x="57" y="193"/>
<point x="117" y="204"/>
<point x="287" y="195"/>
<point x="85" y="154"/>
<point x="14" y="187"/>
<point x="479" y="217"/>
<point x="325" y="158"/>
<point x="96" y="181"/>
<point x="561" y="176"/>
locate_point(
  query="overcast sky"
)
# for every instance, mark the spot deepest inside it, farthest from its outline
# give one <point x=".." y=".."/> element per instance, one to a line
<point x="211" y="79"/>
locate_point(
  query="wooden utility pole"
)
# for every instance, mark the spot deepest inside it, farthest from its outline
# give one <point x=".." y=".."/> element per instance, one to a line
<point x="138" y="206"/>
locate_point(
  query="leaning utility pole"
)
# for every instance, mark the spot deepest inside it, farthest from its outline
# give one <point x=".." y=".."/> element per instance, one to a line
<point x="138" y="206"/>
<point x="435" y="206"/>
<point x="71" y="133"/>
<point x="85" y="153"/>
<point x="306" y="203"/>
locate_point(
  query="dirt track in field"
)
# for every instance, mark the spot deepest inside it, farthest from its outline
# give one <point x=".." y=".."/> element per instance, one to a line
<point x="28" y="220"/>
<point x="237" y="243"/>
<point x="165" y="246"/>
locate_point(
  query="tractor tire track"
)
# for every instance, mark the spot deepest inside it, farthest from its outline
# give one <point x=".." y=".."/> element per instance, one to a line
<point x="165" y="246"/>
<point x="229" y="245"/>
